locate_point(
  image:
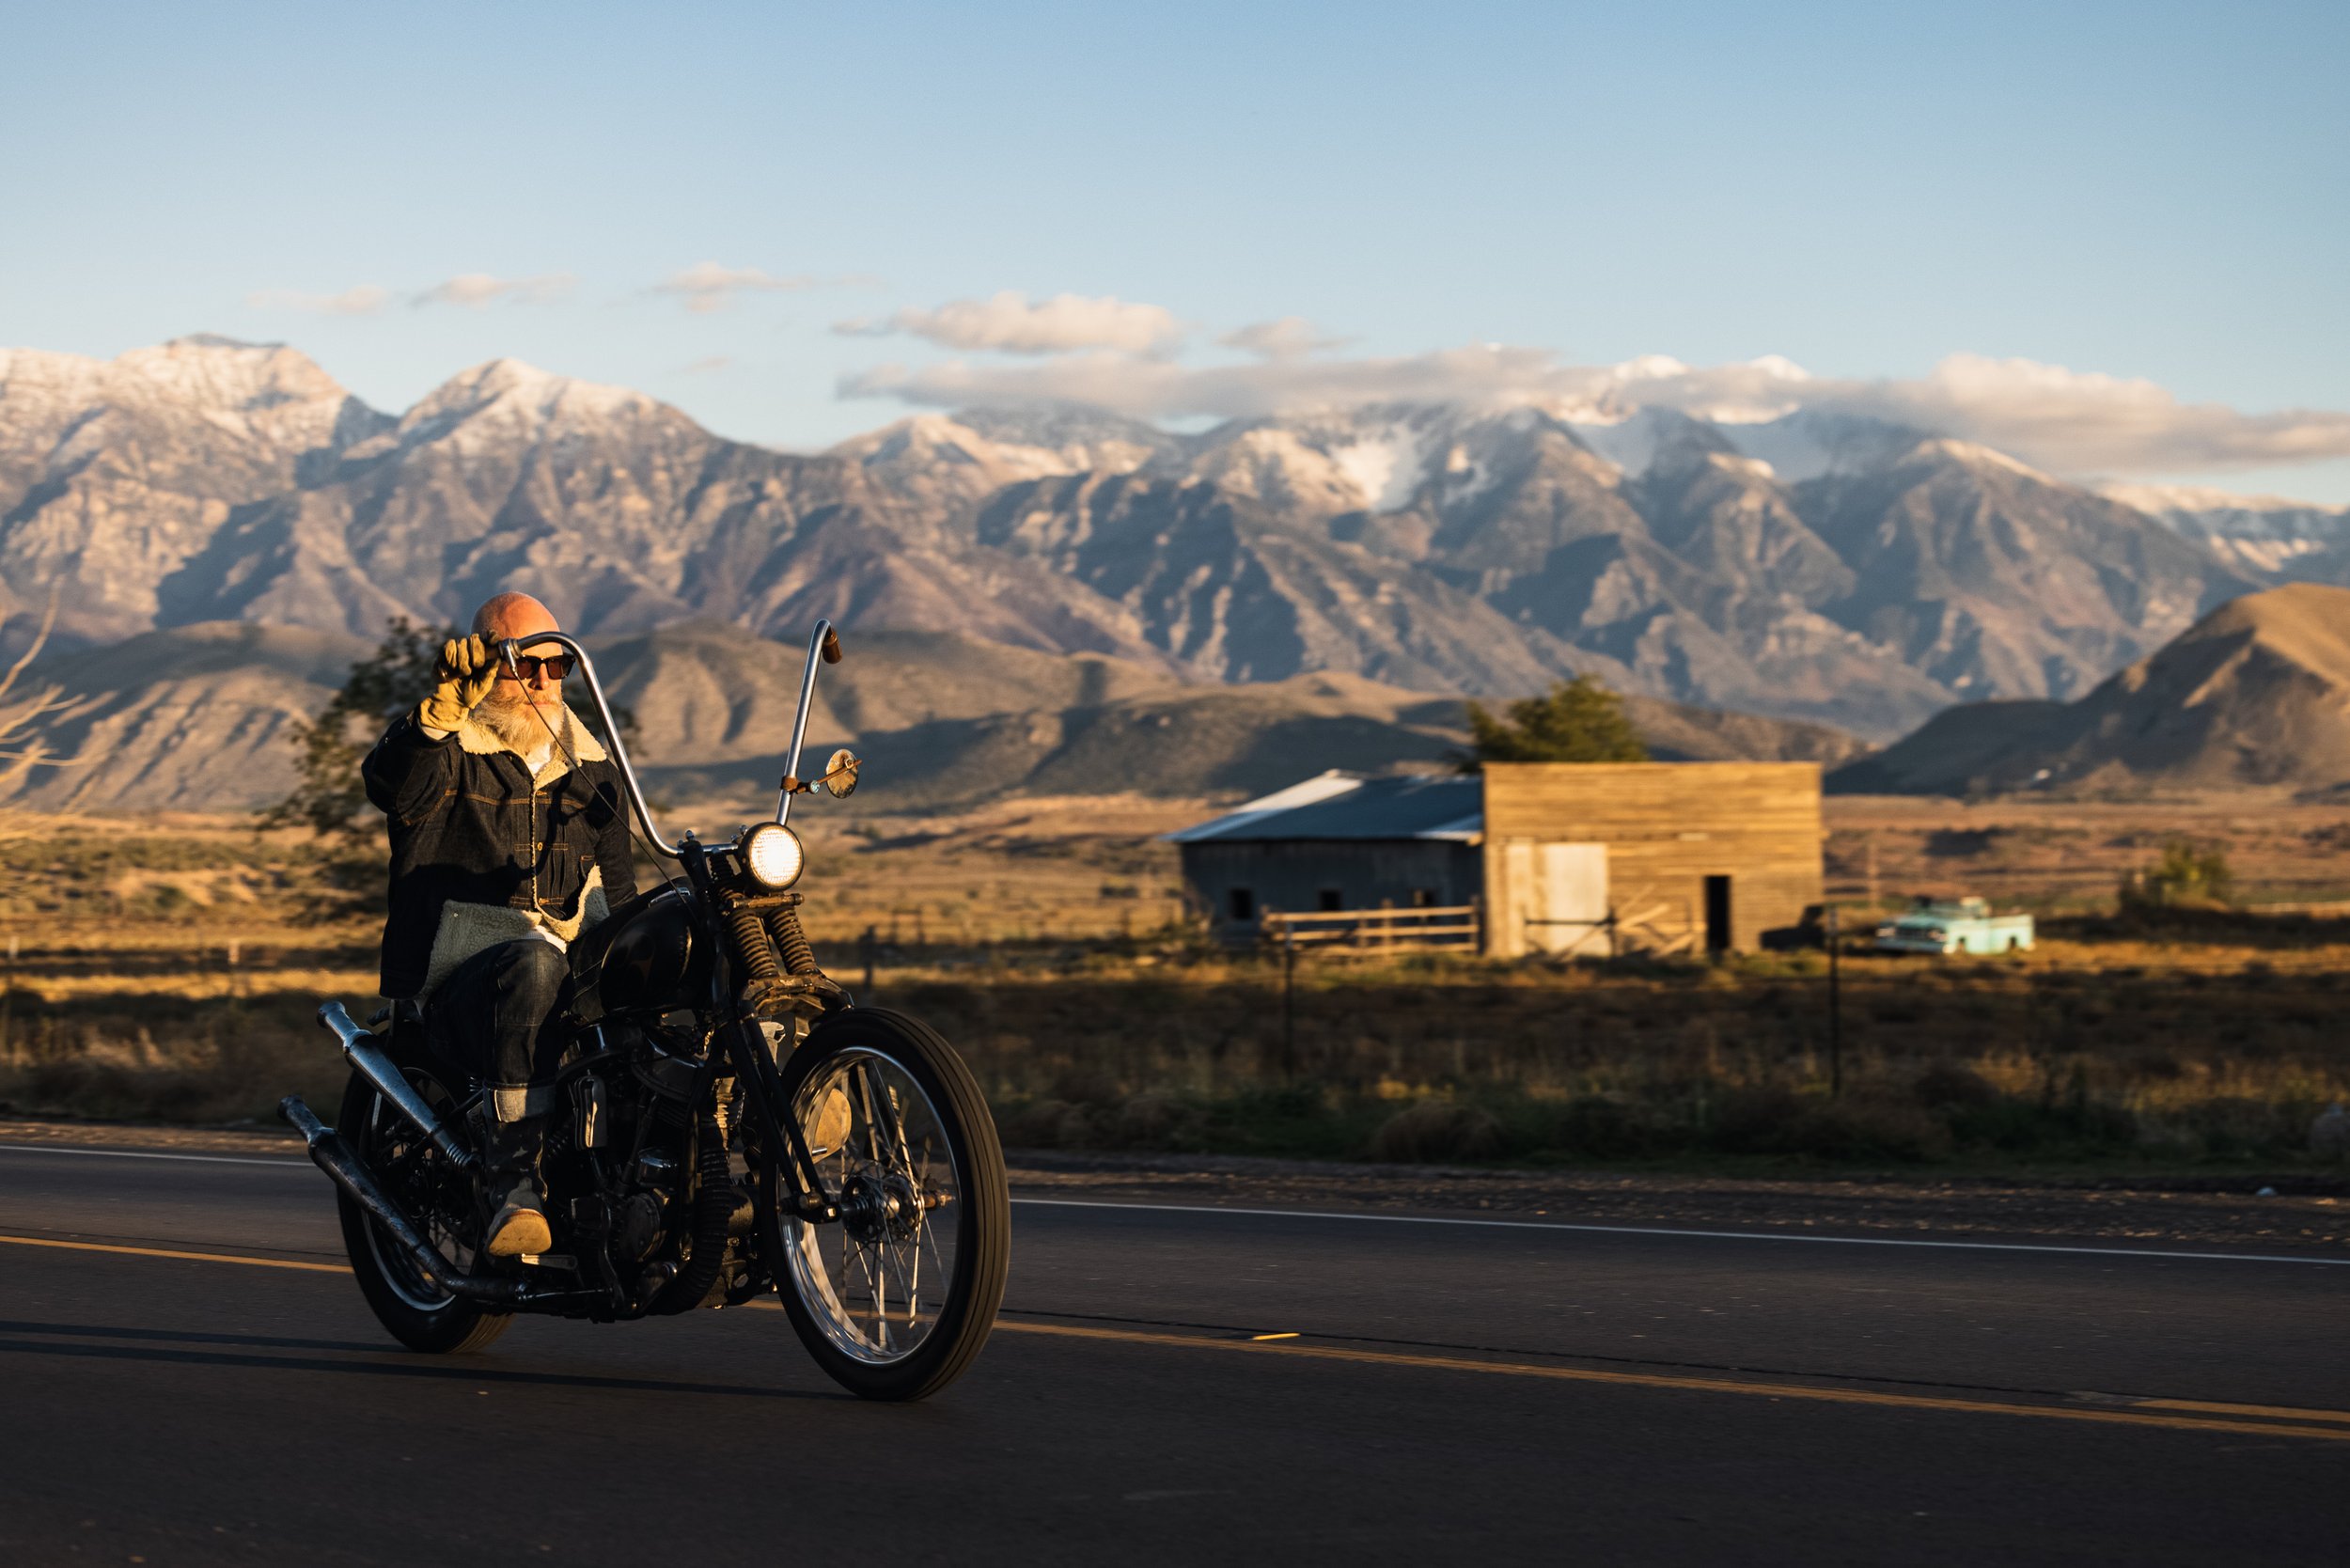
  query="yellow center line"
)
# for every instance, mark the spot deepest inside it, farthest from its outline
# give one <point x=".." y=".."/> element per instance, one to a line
<point x="2140" y="1413"/>
<point x="1704" y="1384"/>
<point x="2279" y="1412"/>
<point x="167" y="1252"/>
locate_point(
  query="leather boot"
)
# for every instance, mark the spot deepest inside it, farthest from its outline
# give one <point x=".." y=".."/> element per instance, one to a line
<point x="510" y="1187"/>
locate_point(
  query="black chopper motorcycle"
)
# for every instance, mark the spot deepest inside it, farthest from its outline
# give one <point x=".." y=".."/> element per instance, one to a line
<point x="728" y="1122"/>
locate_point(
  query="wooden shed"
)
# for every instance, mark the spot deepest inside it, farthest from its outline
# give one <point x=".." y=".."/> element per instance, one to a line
<point x="1568" y="859"/>
<point x="1710" y="856"/>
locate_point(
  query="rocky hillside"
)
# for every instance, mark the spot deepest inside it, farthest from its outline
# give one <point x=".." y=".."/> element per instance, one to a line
<point x="197" y="717"/>
<point x="2255" y="695"/>
<point x="1814" y="567"/>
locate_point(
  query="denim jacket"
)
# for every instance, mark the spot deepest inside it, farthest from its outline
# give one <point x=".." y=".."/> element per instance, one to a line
<point x="473" y="833"/>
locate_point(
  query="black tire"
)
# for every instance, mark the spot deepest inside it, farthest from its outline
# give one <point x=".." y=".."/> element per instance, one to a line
<point x="981" y="1212"/>
<point x="401" y="1302"/>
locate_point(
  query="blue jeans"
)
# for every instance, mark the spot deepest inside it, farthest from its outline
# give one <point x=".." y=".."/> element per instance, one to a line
<point x="498" y="1012"/>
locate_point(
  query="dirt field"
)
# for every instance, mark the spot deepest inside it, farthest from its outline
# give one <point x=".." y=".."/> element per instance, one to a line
<point x="2070" y="855"/>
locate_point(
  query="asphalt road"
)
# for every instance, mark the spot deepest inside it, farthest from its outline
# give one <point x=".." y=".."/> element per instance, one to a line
<point x="1450" y="1391"/>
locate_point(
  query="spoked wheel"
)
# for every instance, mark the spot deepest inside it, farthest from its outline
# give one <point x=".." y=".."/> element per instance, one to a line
<point x="419" y="1314"/>
<point x="895" y="1300"/>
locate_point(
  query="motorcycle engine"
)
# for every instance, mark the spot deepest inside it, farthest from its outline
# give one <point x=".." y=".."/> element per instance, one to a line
<point x="638" y="1229"/>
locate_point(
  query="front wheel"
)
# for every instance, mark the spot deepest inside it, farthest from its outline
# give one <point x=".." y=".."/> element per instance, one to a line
<point x="896" y="1298"/>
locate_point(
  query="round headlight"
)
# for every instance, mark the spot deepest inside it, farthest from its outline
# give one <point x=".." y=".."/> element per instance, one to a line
<point x="773" y="855"/>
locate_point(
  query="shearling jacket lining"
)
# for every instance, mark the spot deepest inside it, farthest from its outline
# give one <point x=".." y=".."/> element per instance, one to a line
<point x="470" y="827"/>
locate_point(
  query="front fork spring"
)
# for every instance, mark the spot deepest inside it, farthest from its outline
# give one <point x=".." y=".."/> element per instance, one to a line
<point x="751" y="944"/>
<point x="789" y="940"/>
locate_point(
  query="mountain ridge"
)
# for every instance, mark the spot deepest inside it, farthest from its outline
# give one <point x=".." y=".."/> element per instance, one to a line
<point x="2255" y="695"/>
<point x="1815" y="566"/>
<point x="199" y="718"/>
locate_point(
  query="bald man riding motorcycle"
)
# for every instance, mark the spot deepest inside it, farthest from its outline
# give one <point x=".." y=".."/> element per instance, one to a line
<point x="508" y="840"/>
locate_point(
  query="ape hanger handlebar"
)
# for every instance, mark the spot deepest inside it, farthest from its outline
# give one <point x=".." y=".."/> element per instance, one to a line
<point x="823" y="645"/>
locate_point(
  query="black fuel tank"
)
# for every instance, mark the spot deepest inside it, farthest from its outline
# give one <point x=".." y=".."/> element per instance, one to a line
<point x="648" y="958"/>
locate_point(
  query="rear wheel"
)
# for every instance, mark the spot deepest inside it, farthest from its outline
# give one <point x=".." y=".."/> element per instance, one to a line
<point x="419" y="1314"/>
<point x="896" y="1298"/>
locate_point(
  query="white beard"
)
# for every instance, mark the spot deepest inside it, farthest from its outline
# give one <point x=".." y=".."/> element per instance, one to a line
<point x="527" y="729"/>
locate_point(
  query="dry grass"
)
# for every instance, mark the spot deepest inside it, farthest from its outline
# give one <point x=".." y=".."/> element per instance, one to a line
<point x="2119" y="1051"/>
<point x="1038" y="935"/>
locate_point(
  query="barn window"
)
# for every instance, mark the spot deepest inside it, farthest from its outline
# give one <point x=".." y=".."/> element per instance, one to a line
<point x="1332" y="899"/>
<point x="1242" y="902"/>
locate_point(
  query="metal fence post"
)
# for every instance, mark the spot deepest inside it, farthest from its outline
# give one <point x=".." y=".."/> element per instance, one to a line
<point x="1835" y="1010"/>
<point x="1289" y="1002"/>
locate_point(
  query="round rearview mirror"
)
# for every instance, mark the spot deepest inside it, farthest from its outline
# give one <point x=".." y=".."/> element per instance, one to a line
<point x="840" y="773"/>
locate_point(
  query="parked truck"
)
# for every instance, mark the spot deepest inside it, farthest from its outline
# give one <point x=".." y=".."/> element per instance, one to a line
<point x="1955" y="926"/>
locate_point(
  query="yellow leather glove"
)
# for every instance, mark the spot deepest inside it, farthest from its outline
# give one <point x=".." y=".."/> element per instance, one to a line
<point x="461" y="677"/>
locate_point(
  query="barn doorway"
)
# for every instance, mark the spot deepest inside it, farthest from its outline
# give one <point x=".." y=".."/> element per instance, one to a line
<point x="1716" y="914"/>
<point x="1559" y="896"/>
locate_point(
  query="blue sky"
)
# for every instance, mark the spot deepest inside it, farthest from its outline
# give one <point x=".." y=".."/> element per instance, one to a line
<point x="2146" y="192"/>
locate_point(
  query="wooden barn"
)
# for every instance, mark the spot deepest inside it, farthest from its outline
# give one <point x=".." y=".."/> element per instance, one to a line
<point x="1524" y="857"/>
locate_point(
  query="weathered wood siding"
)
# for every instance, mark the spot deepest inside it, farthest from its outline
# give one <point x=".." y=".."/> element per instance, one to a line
<point x="1667" y="826"/>
<point x="1291" y="876"/>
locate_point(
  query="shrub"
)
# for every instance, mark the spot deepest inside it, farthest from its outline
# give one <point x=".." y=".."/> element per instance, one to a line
<point x="1048" y="1125"/>
<point x="1154" y="1120"/>
<point x="1434" y="1131"/>
<point x="2184" y="877"/>
<point x="1775" y="1121"/>
<point x="1949" y="1083"/>
<point x="1599" y="1127"/>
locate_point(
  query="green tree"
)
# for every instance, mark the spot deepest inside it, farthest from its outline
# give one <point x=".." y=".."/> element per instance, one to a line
<point x="2185" y="875"/>
<point x="1575" y="721"/>
<point x="329" y="799"/>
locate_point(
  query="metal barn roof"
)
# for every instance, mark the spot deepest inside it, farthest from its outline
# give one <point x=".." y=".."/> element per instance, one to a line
<point x="1345" y="806"/>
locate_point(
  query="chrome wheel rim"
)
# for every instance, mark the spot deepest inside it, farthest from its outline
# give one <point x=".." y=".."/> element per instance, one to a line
<point x="876" y="1280"/>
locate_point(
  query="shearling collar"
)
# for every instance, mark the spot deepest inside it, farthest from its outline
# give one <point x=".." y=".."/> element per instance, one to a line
<point x="479" y="740"/>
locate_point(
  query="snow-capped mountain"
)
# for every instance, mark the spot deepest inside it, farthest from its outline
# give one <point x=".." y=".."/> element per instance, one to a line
<point x="2284" y="541"/>
<point x="1810" y="566"/>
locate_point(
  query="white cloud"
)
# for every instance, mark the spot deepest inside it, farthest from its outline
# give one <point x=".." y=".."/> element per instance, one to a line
<point x="1008" y="322"/>
<point x="2085" y="422"/>
<point x="366" y="300"/>
<point x="1284" y="338"/>
<point x="475" y="291"/>
<point x="1147" y="388"/>
<point x="716" y="362"/>
<point x="472" y="289"/>
<point x="707" y="286"/>
<point x="2066" y="421"/>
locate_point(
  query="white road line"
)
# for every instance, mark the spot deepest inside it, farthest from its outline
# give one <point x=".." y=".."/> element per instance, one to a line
<point x="141" y="1154"/>
<point x="1698" y="1235"/>
<point x="1417" y="1219"/>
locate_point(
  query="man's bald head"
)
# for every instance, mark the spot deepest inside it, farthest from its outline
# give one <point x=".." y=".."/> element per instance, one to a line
<point x="517" y="617"/>
<point x="510" y="617"/>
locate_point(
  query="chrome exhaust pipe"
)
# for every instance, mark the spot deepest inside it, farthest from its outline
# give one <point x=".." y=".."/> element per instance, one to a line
<point x="367" y="1059"/>
<point x="330" y="1153"/>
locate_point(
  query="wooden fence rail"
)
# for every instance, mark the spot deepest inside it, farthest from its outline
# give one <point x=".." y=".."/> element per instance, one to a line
<point x="1451" y="926"/>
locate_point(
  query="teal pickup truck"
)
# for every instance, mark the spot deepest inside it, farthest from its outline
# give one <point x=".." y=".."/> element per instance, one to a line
<point x="1955" y="926"/>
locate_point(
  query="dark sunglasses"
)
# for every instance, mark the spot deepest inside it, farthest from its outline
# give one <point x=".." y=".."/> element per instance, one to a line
<point x="528" y="666"/>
